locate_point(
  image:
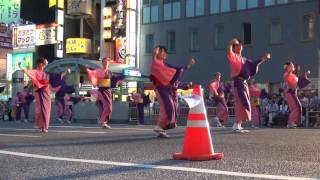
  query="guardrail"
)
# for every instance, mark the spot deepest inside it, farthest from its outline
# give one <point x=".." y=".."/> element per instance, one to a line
<point x="312" y="119"/>
<point x="153" y="113"/>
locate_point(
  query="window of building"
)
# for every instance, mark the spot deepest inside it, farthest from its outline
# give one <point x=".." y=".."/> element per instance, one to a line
<point x="194" y="39"/>
<point x="171" y="9"/>
<point x="282" y="1"/>
<point x="246" y="4"/>
<point x="275" y="31"/>
<point x="199" y="7"/>
<point x="252" y="3"/>
<point x="219" y="36"/>
<point x="154" y="13"/>
<point x="241" y="4"/>
<point x="171" y="41"/>
<point x="225" y="5"/>
<point x="176" y="14"/>
<point x="149" y="43"/>
<point x="167" y="10"/>
<point x="217" y="6"/>
<point x="146" y="15"/>
<point x="246" y="28"/>
<point x="274" y="2"/>
<point x="189" y="8"/>
<point x="308" y="27"/>
<point x="194" y="8"/>
<point x="150" y="11"/>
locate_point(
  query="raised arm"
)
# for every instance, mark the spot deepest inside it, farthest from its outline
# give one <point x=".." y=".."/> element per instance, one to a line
<point x="230" y="52"/>
<point x="31" y="75"/>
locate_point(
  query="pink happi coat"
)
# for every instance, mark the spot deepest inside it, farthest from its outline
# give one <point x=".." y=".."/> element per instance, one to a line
<point x="241" y="112"/>
<point x="222" y="109"/>
<point x="42" y="96"/>
<point x="104" y="99"/>
<point x="292" y="98"/>
<point x="166" y="94"/>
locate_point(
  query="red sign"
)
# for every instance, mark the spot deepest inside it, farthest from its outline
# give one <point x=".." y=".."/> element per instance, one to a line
<point x="121" y="50"/>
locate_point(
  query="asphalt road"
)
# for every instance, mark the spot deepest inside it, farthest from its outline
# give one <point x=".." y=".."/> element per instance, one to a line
<point x="84" y="151"/>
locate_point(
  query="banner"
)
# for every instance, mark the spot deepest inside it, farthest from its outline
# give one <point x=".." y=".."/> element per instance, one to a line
<point x="3" y="68"/>
<point x="120" y="50"/>
<point x="24" y="36"/>
<point x="9" y="11"/>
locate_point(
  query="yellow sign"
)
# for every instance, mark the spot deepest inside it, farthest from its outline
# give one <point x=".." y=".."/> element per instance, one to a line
<point x="54" y="2"/>
<point x="78" y="45"/>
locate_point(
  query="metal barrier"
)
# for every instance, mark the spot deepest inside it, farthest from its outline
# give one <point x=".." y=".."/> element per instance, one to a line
<point x="153" y="113"/>
<point x="133" y="114"/>
<point x="313" y="119"/>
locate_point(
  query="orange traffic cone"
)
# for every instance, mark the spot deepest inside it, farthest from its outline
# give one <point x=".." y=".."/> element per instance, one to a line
<point x="197" y="141"/>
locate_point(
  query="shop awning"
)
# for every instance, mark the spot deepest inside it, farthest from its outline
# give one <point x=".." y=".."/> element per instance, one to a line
<point x="118" y="68"/>
<point x="73" y="61"/>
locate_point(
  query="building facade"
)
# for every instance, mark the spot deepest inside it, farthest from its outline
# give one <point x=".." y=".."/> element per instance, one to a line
<point x="201" y="29"/>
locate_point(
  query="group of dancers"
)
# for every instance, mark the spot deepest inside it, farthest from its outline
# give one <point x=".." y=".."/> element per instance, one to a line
<point x="166" y="80"/>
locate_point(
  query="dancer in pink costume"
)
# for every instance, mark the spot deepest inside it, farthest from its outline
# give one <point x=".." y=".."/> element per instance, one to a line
<point x="293" y="82"/>
<point x="217" y="89"/>
<point x="42" y="90"/>
<point x="242" y="69"/>
<point x="105" y="80"/>
<point x="165" y="79"/>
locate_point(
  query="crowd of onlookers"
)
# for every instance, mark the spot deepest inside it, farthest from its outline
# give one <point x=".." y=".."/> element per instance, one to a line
<point x="274" y="110"/>
<point x="11" y="109"/>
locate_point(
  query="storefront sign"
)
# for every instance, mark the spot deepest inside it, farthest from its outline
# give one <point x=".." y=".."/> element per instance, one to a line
<point x="46" y="34"/>
<point x="26" y="60"/>
<point x="3" y="67"/>
<point x="24" y="36"/>
<point x="78" y="45"/>
<point x="121" y="50"/>
<point x="9" y="11"/>
<point x="134" y="73"/>
<point x="54" y="2"/>
<point x="5" y="37"/>
<point x="120" y="13"/>
<point x="78" y="7"/>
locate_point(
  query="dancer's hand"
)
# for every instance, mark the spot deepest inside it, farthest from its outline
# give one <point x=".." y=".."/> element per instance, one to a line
<point x="192" y="62"/>
<point x="234" y="41"/>
<point x="86" y="66"/>
<point x="68" y="70"/>
<point x="308" y="72"/>
<point x="266" y="57"/>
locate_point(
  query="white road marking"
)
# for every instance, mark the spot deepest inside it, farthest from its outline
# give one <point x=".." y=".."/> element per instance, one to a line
<point x="120" y="128"/>
<point x="150" y="166"/>
<point x="17" y="135"/>
<point x="86" y="132"/>
<point x="76" y="127"/>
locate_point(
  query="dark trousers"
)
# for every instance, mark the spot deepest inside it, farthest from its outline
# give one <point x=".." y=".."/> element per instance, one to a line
<point x="9" y="115"/>
<point x="18" y="113"/>
<point x="141" y="112"/>
<point x="26" y="108"/>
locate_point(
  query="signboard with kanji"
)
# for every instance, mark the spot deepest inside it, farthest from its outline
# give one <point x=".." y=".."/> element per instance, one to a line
<point x="24" y="36"/>
<point x="9" y="11"/>
<point x="78" y="7"/>
<point x="78" y="45"/>
<point x="46" y="34"/>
